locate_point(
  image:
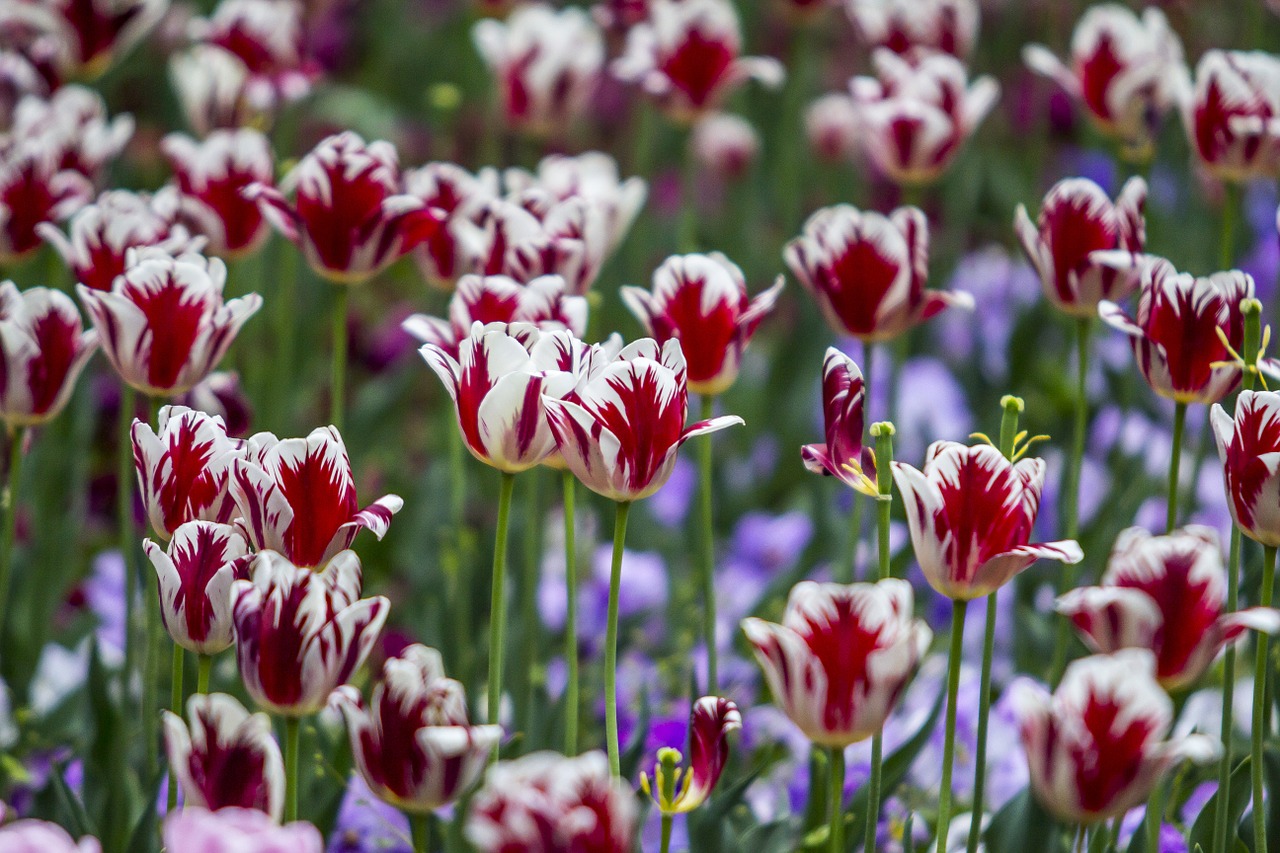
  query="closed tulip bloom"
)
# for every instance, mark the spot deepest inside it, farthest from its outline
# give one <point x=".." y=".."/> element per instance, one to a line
<point x="831" y="126"/>
<point x="702" y="301"/>
<point x="164" y="324"/>
<point x="39" y="836"/>
<point x="841" y="657"/>
<point x="210" y="176"/>
<point x="547" y="803"/>
<point x="225" y="757"/>
<point x="971" y="513"/>
<point x="351" y="216"/>
<point x="710" y="723"/>
<point x="414" y="745"/>
<point x="214" y="90"/>
<point x="456" y="193"/>
<point x="237" y="830"/>
<point x="725" y="145"/>
<point x="619" y="430"/>
<point x="1165" y="594"/>
<point x="1230" y="113"/>
<point x="1100" y="743"/>
<point x="297" y="496"/>
<point x="44" y="349"/>
<point x="593" y="177"/>
<point x="1076" y="220"/>
<point x="949" y="26"/>
<point x="184" y="468"/>
<point x="195" y="575"/>
<point x="843" y="455"/>
<point x="1174" y="333"/>
<point x="686" y="54"/>
<point x="34" y="188"/>
<point x="1249" y="447"/>
<point x="547" y="64"/>
<point x="301" y="633"/>
<point x="868" y="271"/>
<point x="1124" y="70"/>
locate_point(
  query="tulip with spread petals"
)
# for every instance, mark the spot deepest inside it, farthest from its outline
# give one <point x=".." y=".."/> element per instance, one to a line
<point x="702" y="301"/>
<point x="843" y="456"/>
<point x="194" y="576"/>
<point x="74" y="124"/>
<point x="1101" y="742"/>
<point x="269" y="38"/>
<point x="237" y="831"/>
<point x="687" y="55"/>
<point x="868" y="271"/>
<point x="1165" y="594"/>
<point x="1124" y="70"/>
<point x="164" y="325"/>
<point x="414" y="745"/>
<point x="1249" y="447"/>
<point x="210" y="176"/>
<point x="44" y="349"/>
<point x="710" y="723"/>
<point x="547" y="803"/>
<point x="1230" y="113"/>
<point x="457" y="194"/>
<point x="34" y="188"/>
<point x="297" y="496"/>
<point x="949" y="26"/>
<point x="224" y="757"/>
<point x="592" y="177"/>
<point x="40" y="836"/>
<point x="184" y="468"/>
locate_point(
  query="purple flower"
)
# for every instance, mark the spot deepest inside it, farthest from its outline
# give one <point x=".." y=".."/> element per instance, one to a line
<point x="670" y="504"/>
<point x="365" y="824"/>
<point x="1171" y="840"/>
<point x="1004" y="285"/>
<point x="104" y="592"/>
<point x="935" y="409"/>
<point x="771" y="542"/>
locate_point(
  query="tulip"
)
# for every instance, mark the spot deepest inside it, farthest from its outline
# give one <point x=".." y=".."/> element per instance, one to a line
<point x="1100" y="743"/>
<point x="843" y="455"/>
<point x="41" y="836"/>
<point x="44" y="349"/>
<point x="725" y="145"/>
<point x="225" y="758"/>
<point x="73" y="123"/>
<point x="184" y="469"/>
<point x="214" y="90"/>
<point x="1249" y="447"/>
<point x="269" y="38"/>
<point x="831" y="126"/>
<point x="237" y="831"/>
<point x="949" y="26"/>
<point x="195" y="574"/>
<point x="94" y="33"/>
<point x="1230" y="114"/>
<point x="592" y="177"/>
<point x="457" y="194"/>
<point x="34" y="188"/>
<point x="210" y="176"/>
<point x="20" y="78"/>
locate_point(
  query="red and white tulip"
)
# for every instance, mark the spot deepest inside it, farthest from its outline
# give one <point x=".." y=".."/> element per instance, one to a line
<point x="841" y="657"/>
<point x="457" y="194"/>
<point x="74" y="123"/>
<point x="43" y="348"/>
<point x="91" y="34"/>
<point x="1249" y="447"/>
<point x="268" y="37"/>
<point x="214" y="90"/>
<point x="210" y="177"/>
<point x="831" y="126"/>
<point x="195" y="574"/>
<point x="34" y="188"/>
<point x="949" y="26"/>
<point x="710" y="723"/>
<point x="971" y="513"/>
<point x="592" y="177"/>
<point x="726" y="145"/>
<point x="1232" y="114"/>
<point x="843" y="455"/>
<point x="184" y="468"/>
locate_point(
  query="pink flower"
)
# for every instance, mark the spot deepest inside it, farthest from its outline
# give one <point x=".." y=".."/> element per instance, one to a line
<point x="211" y="176"/>
<point x="687" y="55"/>
<point x="1164" y="594"/>
<point x="949" y="26"/>
<point x="414" y="745"/>
<point x="1249" y="447"/>
<point x="184" y="468"/>
<point x="226" y="758"/>
<point x="868" y="271"/>
<point x="843" y="455"/>
<point x="43" y="348"/>
<point x="195" y="830"/>
<point x="547" y="803"/>
<point x="841" y="657"/>
<point x="1174" y="333"/>
<point x="725" y="145"/>
<point x="195" y="576"/>
<point x="831" y="126"/>
<point x="456" y="193"/>
<point x="1100" y="743"/>
<point x="164" y="325"/>
<point x="34" y="188"/>
<point x="1232" y="114"/>
<point x="40" y="836"/>
<point x="351" y="216"/>
<point x="619" y="431"/>
<point x="710" y="723"/>
<point x="1076" y="220"/>
<point x="971" y="513"/>
<point x="301" y="633"/>
<point x="702" y="301"/>
<point x="297" y="496"/>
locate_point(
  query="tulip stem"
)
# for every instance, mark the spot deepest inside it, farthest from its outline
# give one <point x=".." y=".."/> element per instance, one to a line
<point x="667" y="823"/>
<point x="958" y="608"/>
<point x="284" y="319"/>
<point x="204" y="663"/>
<point x="13" y="479"/>
<point x="837" y="799"/>
<point x="153" y="640"/>
<point x="175" y="705"/>
<point x="1175" y="460"/>
<point x="529" y="605"/>
<point x="420" y="829"/>
<point x="1071" y="489"/>
<point x="611" y="640"/>
<point x="497" y="600"/>
<point x="708" y="550"/>
<point x="1230" y="208"/>
<point x="127" y="534"/>
<point x="883" y="434"/>
<point x="338" y="393"/>
<point x="1260" y="704"/>
<point x="687" y="237"/>
<point x="291" y="728"/>
<point x="570" y="618"/>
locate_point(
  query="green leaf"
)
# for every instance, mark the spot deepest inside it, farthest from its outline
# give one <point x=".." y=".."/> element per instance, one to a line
<point x="78" y="822"/>
<point x="1022" y="825"/>
<point x="1239" y="792"/>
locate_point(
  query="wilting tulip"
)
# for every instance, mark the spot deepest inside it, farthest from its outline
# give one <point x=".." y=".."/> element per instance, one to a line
<point x="918" y="112"/>
<point x="74" y="123"/>
<point x="949" y="26"/>
<point x="1249" y="447"/>
<point x="268" y="37"/>
<point x="101" y="234"/>
<point x="210" y="176"/>
<point x="544" y="302"/>
<point x="702" y="301"/>
<point x="710" y="722"/>
<point x="1175" y="331"/>
<point x="34" y="189"/>
<point x="237" y="831"/>
<point x="1165" y="594"/>
<point x="195" y="576"/>
<point x="1230" y="114"/>
<point x="971" y="513"/>
<point x="213" y="89"/>
<point x="1124" y="70"/>
<point x="841" y="657"/>
<point x="40" y="836"/>
<point x="456" y="193"/>
<point x="164" y="325"/>
<point x="620" y="429"/>
<point x="546" y="62"/>
<point x="225" y="757"/>
<point x="725" y="145"/>
<point x="297" y="496"/>
<point x="184" y="468"/>
<point x="547" y="803"/>
<point x="831" y="126"/>
<point x="843" y="455"/>
<point x="300" y="633"/>
<point x="868" y="271"/>
<point x="687" y="55"/>
<point x="414" y="745"/>
<point x="1076" y="220"/>
<point x="351" y="216"/>
<point x="1099" y="745"/>
<point x="592" y="177"/>
<point x="44" y="349"/>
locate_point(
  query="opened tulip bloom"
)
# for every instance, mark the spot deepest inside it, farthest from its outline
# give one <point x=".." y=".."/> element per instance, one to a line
<point x="34" y="188"/>
<point x="592" y="177"/>
<point x="702" y="301"/>
<point x="184" y="468"/>
<point x="225" y="757"/>
<point x="44" y="349"/>
<point x="710" y="722"/>
<point x="39" y="836"/>
<point x="1249" y="447"/>
<point x="271" y="41"/>
<point x="1101" y="742"/>
<point x="195" y="574"/>
<point x="236" y="830"/>
<point x="843" y="455"/>
<point x="456" y="194"/>
<point x="1230" y="113"/>
<point x="949" y="26"/>
<point x="74" y="125"/>
<point x="210" y="176"/>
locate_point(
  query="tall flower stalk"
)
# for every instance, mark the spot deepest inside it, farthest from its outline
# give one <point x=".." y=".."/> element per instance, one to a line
<point x="1261" y="710"/>
<point x="623" y="508"/>
<point x="708" y="555"/>
<point x="1071" y="488"/>
<point x="338" y="388"/>
<point x="883" y="434"/>
<point x="958" y="608"/>
<point x="13" y="477"/>
<point x="570" y="618"/>
<point x="497" y="598"/>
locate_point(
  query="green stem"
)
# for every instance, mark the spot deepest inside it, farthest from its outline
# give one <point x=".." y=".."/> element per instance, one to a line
<point x="126" y="532"/>
<point x="1260" y="706"/>
<point x="497" y="600"/>
<point x="175" y="705"/>
<point x="291" y="729"/>
<point x="1071" y="489"/>
<point x="204" y="663"/>
<point x="1230" y="210"/>
<point x="687" y="238"/>
<point x="571" y="618"/>
<point x="13" y="480"/>
<point x="667" y="823"/>
<point x="1175" y="460"/>
<point x="883" y="434"/>
<point x="338" y="391"/>
<point x="958" y="609"/>
<point x="154" y="643"/>
<point x="708" y="549"/>
<point x="454" y="557"/>
<point x="837" y="800"/>
<point x="420" y="829"/>
<point x="529" y="604"/>
<point x="284" y="318"/>
<point x="611" y="641"/>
